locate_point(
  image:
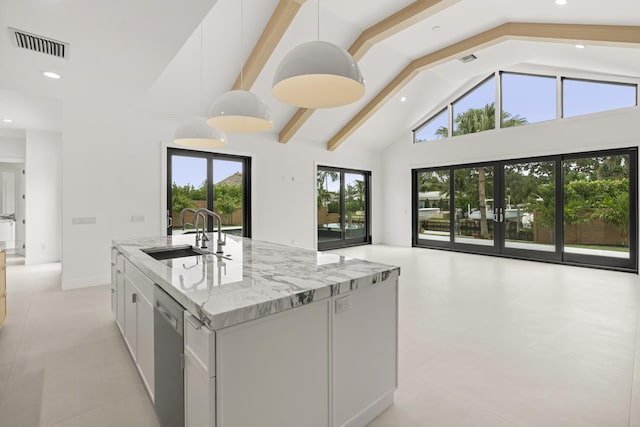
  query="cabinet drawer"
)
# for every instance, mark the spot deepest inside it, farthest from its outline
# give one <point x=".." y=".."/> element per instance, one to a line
<point x="120" y="262"/>
<point x="201" y="341"/>
<point x="139" y="280"/>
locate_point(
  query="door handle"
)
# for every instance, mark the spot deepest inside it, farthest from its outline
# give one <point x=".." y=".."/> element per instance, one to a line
<point x="495" y="215"/>
<point x="134" y="298"/>
<point x="169" y="220"/>
<point x="501" y="214"/>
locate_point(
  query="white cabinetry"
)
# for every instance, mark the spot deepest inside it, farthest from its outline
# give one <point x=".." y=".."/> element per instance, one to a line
<point x="134" y="314"/>
<point x="199" y="374"/>
<point x="364" y="352"/>
<point x="274" y="371"/>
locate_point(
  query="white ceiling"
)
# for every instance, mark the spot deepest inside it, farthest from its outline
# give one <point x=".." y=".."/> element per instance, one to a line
<point x="151" y="51"/>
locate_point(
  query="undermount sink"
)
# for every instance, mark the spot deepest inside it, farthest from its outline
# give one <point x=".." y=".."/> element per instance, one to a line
<point x="173" y="252"/>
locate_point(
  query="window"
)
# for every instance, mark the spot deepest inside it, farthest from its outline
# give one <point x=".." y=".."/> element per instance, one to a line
<point x="342" y="207"/>
<point x="527" y="99"/>
<point x="596" y="206"/>
<point x="435" y="128"/>
<point x="584" y="96"/>
<point x="572" y="209"/>
<point x="475" y="111"/>
<point x="217" y="182"/>
<point x="434" y="213"/>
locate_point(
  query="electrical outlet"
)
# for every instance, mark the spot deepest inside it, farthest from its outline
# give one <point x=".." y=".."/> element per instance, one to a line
<point x="343" y="304"/>
<point x="137" y="218"/>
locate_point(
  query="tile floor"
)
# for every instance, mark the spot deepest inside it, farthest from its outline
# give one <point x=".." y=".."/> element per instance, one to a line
<point x="483" y="342"/>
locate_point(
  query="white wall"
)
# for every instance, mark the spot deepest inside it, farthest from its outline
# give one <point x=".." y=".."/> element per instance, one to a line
<point x="43" y="196"/>
<point x="12" y="149"/>
<point x="115" y="167"/>
<point x="613" y="129"/>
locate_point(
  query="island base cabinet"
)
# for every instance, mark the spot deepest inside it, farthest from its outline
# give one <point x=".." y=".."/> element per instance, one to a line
<point x="364" y="352"/>
<point x="199" y="393"/>
<point x="274" y="371"/>
<point x="3" y="287"/>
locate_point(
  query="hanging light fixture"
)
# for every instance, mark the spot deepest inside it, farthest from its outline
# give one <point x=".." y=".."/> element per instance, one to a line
<point x="318" y="74"/>
<point x="240" y="110"/>
<point x="195" y="132"/>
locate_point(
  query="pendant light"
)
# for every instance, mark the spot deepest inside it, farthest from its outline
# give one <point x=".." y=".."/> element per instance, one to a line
<point x="195" y="132"/>
<point x="318" y="74"/>
<point x="240" y="110"/>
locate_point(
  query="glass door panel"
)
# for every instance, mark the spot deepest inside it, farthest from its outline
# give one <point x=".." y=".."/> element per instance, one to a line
<point x="188" y="177"/>
<point x="329" y="206"/>
<point x="473" y="195"/>
<point x="355" y="204"/>
<point x="434" y="216"/>
<point x="228" y="191"/>
<point x="597" y="206"/>
<point x="529" y="206"/>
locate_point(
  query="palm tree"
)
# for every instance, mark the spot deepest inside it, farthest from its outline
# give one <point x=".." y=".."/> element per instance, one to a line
<point x="477" y="120"/>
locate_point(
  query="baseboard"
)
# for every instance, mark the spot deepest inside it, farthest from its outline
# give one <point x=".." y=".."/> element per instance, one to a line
<point x="372" y="411"/>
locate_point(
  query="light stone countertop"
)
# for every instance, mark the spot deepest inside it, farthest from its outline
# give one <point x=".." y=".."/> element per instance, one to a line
<point x="260" y="279"/>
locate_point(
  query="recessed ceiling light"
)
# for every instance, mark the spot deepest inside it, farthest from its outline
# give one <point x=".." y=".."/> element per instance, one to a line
<point x="404" y="98"/>
<point x="561" y="2"/>
<point x="51" y="74"/>
<point x="7" y="120"/>
<point x="435" y="28"/>
<point x="580" y="46"/>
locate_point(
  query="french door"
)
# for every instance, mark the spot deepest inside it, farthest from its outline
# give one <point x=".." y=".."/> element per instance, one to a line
<point x="343" y="207"/>
<point x="221" y="183"/>
<point x="574" y="209"/>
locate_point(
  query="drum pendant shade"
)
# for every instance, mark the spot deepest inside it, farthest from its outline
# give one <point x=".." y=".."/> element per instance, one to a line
<point x="195" y="132"/>
<point x="240" y="111"/>
<point x="318" y="74"/>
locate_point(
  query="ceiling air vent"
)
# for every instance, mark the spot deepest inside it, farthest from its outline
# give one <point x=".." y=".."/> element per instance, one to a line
<point x="39" y="44"/>
<point x="468" y="58"/>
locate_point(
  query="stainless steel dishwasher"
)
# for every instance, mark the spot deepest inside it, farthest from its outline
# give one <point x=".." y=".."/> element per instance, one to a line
<point x="168" y="332"/>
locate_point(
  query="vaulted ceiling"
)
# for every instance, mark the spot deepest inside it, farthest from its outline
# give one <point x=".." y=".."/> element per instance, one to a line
<point x="153" y="52"/>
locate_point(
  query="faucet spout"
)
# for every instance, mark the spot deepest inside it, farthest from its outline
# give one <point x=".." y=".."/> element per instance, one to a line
<point x="205" y="213"/>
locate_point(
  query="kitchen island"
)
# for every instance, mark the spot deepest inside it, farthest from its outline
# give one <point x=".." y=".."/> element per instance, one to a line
<point x="273" y="335"/>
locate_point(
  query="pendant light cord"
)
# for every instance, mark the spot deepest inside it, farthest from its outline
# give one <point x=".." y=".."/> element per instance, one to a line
<point x="241" y="44"/>
<point x="201" y="43"/>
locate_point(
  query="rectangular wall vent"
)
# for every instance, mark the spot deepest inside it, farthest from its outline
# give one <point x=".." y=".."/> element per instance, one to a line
<point x="40" y="44"/>
<point x="468" y="58"/>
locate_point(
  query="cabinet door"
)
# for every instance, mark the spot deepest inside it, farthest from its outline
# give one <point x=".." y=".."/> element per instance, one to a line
<point x="120" y="299"/>
<point x="130" y="317"/>
<point x="364" y="358"/>
<point x="199" y="393"/>
<point x="278" y="366"/>
<point x="114" y="299"/>
<point x="145" y="341"/>
<point x="3" y="309"/>
<point x="3" y="287"/>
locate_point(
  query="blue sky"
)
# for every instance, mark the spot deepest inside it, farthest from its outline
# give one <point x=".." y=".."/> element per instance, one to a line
<point x="534" y="98"/>
<point x="193" y="170"/>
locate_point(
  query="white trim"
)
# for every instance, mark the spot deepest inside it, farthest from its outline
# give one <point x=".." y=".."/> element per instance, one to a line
<point x="85" y="282"/>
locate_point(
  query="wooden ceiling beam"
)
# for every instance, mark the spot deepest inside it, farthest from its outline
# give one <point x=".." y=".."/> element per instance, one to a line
<point x="280" y="20"/>
<point x="561" y="33"/>
<point x="392" y="24"/>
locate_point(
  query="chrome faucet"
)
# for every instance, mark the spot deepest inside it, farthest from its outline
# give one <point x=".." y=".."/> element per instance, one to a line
<point x="182" y="212"/>
<point x="204" y="213"/>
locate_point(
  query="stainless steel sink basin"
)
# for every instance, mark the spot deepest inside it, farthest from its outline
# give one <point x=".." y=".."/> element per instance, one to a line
<point x="173" y="252"/>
